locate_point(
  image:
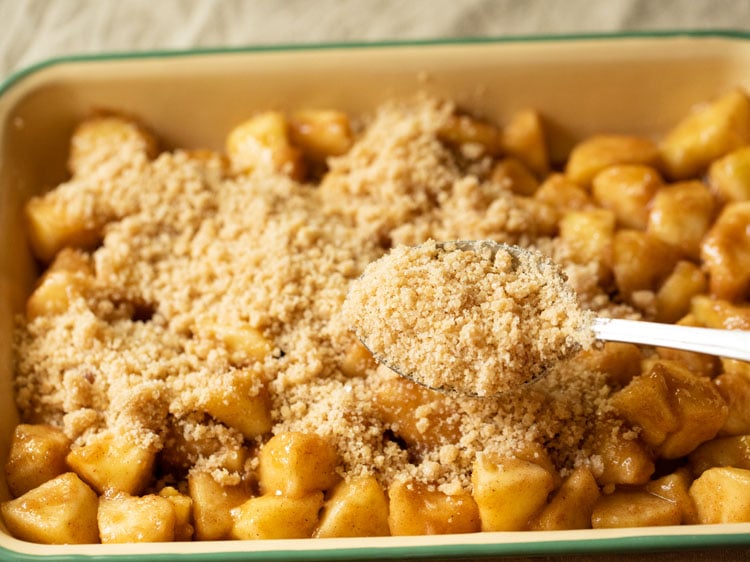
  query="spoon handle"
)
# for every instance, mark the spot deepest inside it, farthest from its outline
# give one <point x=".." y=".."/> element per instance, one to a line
<point x="734" y="344"/>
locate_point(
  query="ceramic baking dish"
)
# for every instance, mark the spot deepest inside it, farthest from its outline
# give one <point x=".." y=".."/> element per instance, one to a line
<point x="630" y="84"/>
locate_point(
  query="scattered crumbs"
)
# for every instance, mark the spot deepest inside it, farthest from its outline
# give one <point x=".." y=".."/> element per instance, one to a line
<point x="192" y="246"/>
<point x="475" y="319"/>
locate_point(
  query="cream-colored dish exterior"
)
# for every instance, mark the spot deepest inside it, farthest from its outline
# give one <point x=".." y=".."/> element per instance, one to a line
<point x="581" y="85"/>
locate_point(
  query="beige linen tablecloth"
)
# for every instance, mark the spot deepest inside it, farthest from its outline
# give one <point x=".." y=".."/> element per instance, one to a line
<point x="35" y="30"/>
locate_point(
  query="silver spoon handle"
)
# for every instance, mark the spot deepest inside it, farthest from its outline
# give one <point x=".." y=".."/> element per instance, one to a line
<point x="734" y="344"/>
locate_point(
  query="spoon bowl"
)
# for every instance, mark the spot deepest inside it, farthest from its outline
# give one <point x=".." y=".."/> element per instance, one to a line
<point x="475" y="317"/>
<point x="523" y="270"/>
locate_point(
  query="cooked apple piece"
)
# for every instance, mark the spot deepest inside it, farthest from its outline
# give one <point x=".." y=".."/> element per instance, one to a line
<point x="68" y="277"/>
<point x="358" y="360"/>
<point x="419" y="415"/>
<point x="417" y="510"/>
<point x="624" y="460"/>
<point x="124" y="518"/>
<point x="244" y="343"/>
<point x="674" y="296"/>
<point x="588" y="236"/>
<point x="513" y="175"/>
<point x="111" y="461"/>
<point x="509" y="491"/>
<point x="722" y="495"/>
<point x="562" y="194"/>
<point x="598" y="152"/>
<point x="626" y="508"/>
<point x="676" y="409"/>
<point x="212" y="505"/>
<point x="263" y="141"/>
<point x="729" y="176"/>
<point x="523" y="137"/>
<point x="321" y="133"/>
<point x="37" y="454"/>
<point x="734" y="387"/>
<point x="725" y="251"/>
<point x="183" y="512"/>
<point x="708" y="132"/>
<point x="681" y="214"/>
<point x="572" y="504"/>
<point x="295" y="464"/>
<point x="724" y="451"/>
<point x="277" y="517"/>
<point x="627" y="189"/>
<point x="641" y="261"/>
<point x="102" y="138"/>
<point x="356" y="508"/>
<point x="243" y="404"/>
<point x="675" y="488"/>
<point x="621" y="361"/>
<point x="52" y="226"/>
<point x="60" y="511"/>
<point x="463" y="129"/>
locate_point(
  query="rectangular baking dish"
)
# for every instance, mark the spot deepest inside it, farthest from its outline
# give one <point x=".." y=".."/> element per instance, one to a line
<point x="626" y="83"/>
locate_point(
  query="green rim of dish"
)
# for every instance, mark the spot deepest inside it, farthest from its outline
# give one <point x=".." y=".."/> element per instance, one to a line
<point x="616" y="545"/>
<point x="611" y="546"/>
<point x="17" y="75"/>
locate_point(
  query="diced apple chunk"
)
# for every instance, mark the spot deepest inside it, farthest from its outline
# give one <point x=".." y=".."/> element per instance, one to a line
<point x="734" y="387"/>
<point x="263" y="142"/>
<point x="524" y="138"/>
<point x="68" y="277"/>
<point x="674" y="295"/>
<point x="675" y="488"/>
<point x="113" y="462"/>
<point x="321" y="133"/>
<point x="183" y="511"/>
<point x="626" y="508"/>
<point x="277" y="517"/>
<point x="102" y="138"/>
<point x="244" y="405"/>
<point x="725" y="451"/>
<point x="417" y="510"/>
<point x="213" y="504"/>
<point x="124" y="518"/>
<point x="513" y="175"/>
<point x="397" y="402"/>
<point x="725" y="251"/>
<point x="572" y="504"/>
<point x="681" y="214"/>
<point x="598" y="152"/>
<point x="623" y="460"/>
<point x="708" y="132"/>
<point x="357" y="361"/>
<point x="459" y="130"/>
<point x="722" y="495"/>
<point x="676" y="409"/>
<point x="295" y="464"/>
<point x="52" y="227"/>
<point x="730" y="176"/>
<point x="588" y="236"/>
<point x="60" y="511"/>
<point x="356" y="508"/>
<point x="640" y="261"/>
<point x="509" y="492"/>
<point x="37" y="454"/>
<point x="627" y="189"/>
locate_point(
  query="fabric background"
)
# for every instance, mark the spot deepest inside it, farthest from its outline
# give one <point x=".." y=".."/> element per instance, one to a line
<point x="34" y="30"/>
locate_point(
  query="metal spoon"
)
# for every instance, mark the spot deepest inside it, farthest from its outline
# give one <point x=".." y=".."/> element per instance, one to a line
<point x="733" y="344"/>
